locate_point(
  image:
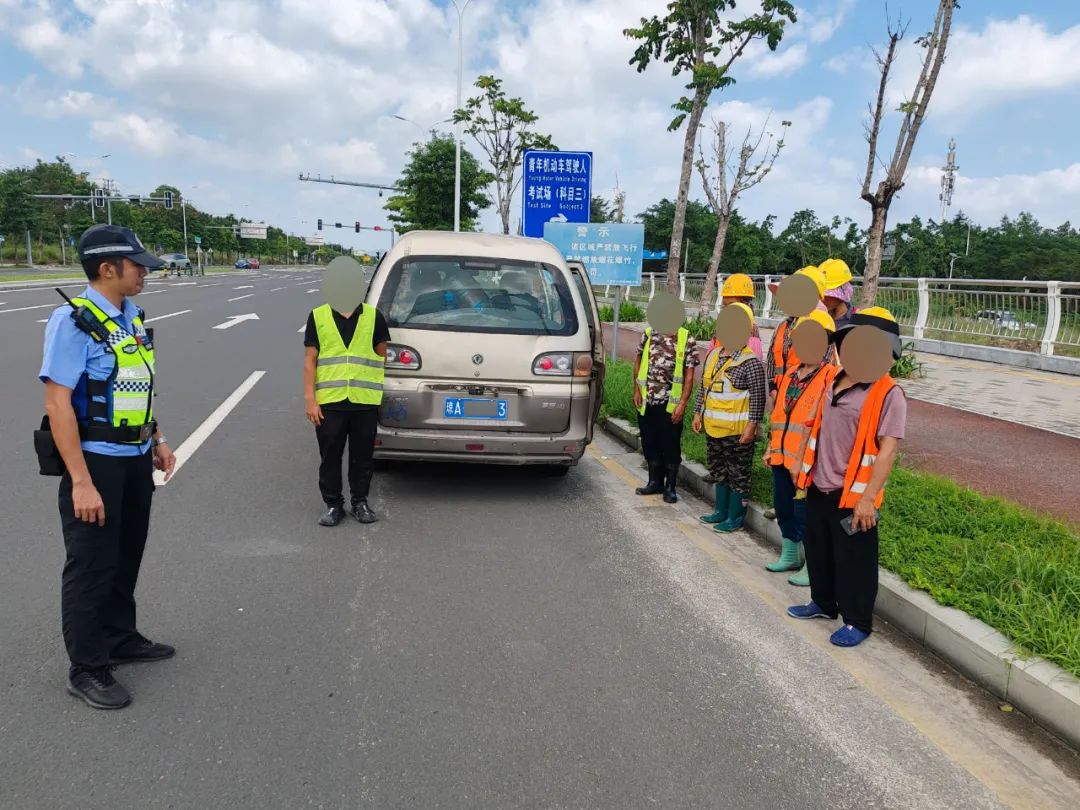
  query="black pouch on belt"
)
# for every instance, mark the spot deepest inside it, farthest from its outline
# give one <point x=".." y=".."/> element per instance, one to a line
<point x="49" y="460"/>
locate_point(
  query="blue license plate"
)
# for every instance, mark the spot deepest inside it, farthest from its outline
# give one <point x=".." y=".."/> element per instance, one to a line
<point x="469" y="408"/>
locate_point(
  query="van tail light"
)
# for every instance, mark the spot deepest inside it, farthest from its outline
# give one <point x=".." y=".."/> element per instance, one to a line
<point x="404" y="357"/>
<point x="563" y="364"/>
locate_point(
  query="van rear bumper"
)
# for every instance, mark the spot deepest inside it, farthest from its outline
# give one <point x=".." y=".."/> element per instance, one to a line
<point x="480" y="447"/>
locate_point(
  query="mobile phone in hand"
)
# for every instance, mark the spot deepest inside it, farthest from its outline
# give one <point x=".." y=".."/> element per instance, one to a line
<point x="845" y="524"/>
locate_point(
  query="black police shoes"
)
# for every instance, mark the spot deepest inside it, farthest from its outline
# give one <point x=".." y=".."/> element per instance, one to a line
<point x="98" y="688"/>
<point x="362" y="512"/>
<point x="333" y="516"/>
<point x="141" y="648"/>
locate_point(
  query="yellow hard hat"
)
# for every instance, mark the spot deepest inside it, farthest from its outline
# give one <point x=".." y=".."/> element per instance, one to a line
<point x="837" y="273"/>
<point x="749" y="312"/>
<point x="816" y="275"/>
<point x="738" y="285"/>
<point x="877" y="312"/>
<point x="818" y="317"/>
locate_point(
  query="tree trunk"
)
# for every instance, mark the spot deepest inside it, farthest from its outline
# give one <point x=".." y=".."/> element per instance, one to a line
<point x="714" y="265"/>
<point x="678" y="225"/>
<point x="875" y="241"/>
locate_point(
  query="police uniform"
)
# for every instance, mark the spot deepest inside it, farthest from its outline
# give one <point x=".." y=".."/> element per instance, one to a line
<point x="348" y="391"/>
<point x="111" y="373"/>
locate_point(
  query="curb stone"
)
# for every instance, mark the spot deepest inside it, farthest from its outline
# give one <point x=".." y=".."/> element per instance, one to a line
<point x="1041" y="689"/>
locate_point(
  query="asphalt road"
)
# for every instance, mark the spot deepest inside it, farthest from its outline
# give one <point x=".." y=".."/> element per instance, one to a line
<point x="498" y="639"/>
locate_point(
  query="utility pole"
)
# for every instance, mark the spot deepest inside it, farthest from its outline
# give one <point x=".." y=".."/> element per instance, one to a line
<point x="948" y="180"/>
<point x="183" y="208"/>
<point x="457" y="138"/>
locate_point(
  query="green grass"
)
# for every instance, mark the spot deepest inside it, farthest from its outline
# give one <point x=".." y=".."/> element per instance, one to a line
<point x="75" y="272"/>
<point x="1005" y="565"/>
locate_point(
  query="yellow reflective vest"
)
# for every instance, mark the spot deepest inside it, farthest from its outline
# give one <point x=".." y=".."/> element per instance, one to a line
<point x="675" y="395"/>
<point x="354" y="373"/>
<point x="727" y="408"/>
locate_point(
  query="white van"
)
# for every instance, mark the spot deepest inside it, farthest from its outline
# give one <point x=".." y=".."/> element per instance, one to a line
<point x="496" y="354"/>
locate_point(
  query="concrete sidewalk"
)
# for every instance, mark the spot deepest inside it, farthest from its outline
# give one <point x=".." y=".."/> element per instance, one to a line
<point x="957" y="428"/>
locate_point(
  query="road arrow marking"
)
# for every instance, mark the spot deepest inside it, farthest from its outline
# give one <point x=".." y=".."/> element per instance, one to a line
<point x="235" y="319"/>
<point x="193" y="442"/>
<point x="240" y="297"/>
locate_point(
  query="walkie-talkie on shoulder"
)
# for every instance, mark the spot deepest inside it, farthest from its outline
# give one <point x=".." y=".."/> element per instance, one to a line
<point x="85" y="319"/>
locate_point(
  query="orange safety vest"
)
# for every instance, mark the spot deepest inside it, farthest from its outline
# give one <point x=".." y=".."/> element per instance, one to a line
<point x="779" y="356"/>
<point x="865" y="450"/>
<point x="790" y="432"/>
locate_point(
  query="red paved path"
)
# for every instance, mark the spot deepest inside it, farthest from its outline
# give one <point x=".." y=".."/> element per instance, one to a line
<point x="1033" y="467"/>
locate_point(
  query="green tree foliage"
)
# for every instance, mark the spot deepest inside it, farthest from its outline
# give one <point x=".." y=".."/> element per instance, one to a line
<point x="600" y="210"/>
<point x="427" y="184"/>
<point x="701" y="39"/>
<point x="503" y="128"/>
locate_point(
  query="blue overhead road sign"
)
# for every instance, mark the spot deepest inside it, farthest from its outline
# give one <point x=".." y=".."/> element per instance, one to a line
<point x="555" y="187"/>
<point x="611" y="252"/>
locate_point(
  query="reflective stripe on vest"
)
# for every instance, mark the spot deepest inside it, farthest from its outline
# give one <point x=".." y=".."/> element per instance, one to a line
<point x="727" y="408"/>
<point x="864" y="450"/>
<point x="791" y="433"/>
<point x="676" y="391"/>
<point x="354" y="373"/>
<point x="129" y="391"/>
<point x="779" y="356"/>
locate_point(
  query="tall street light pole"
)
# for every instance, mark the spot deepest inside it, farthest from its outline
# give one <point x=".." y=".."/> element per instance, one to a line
<point x="457" y="148"/>
<point x="430" y="131"/>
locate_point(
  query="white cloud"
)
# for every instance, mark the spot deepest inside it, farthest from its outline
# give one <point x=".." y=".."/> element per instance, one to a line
<point x="786" y="61"/>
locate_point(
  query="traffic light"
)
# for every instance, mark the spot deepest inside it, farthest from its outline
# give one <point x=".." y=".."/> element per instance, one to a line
<point x="337" y="224"/>
<point x="168" y="200"/>
<point x="358" y="227"/>
<point x="320" y="224"/>
<point x="99" y="197"/>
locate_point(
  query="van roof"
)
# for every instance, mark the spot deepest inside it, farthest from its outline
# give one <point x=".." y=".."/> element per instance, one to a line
<point x="488" y="245"/>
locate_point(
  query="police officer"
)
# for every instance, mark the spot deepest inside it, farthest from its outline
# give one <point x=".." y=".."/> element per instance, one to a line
<point x="99" y="376"/>
<point x="343" y="388"/>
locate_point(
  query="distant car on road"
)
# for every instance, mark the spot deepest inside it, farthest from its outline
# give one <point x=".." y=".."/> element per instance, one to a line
<point x="176" y="263"/>
<point x="247" y="264"/>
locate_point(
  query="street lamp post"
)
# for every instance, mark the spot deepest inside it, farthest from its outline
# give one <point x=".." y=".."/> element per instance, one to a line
<point x="952" y="260"/>
<point x="457" y="148"/>
<point x="430" y="131"/>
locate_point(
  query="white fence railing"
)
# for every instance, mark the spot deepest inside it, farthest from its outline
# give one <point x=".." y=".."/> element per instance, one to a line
<point x="1034" y="316"/>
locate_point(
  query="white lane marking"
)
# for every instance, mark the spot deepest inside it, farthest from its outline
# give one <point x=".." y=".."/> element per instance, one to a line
<point x="43" y="288"/>
<point x="153" y="292"/>
<point x="183" y="284"/>
<point x="43" y="320"/>
<point x="298" y="331"/>
<point x="309" y="292"/>
<point x="215" y="284"/>
<point x="170" y="315"/>
<point x="245" y="287"/>
<point x="235" y="319"/>
<point x="193" y="442"/>
<point x="38" y="306"/>
<point x="2" y="303"/>
<point x="277" y="288"/>
<point x="240" y="297"/>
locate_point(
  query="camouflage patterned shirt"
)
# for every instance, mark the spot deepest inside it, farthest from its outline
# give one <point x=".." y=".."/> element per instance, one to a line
<point x="662" y="350"/>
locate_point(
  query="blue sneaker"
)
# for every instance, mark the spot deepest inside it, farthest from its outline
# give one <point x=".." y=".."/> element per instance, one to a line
<point x="808" y="611"/>
<point x="848" y="636"/>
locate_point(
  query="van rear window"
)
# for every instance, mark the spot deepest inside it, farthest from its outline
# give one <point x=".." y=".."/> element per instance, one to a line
<point x="496" y="296"/>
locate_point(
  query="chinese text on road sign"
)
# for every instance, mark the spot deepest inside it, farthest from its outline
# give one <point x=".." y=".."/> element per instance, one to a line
<point x="610" y="252"/>
<point x="556" y="187"/>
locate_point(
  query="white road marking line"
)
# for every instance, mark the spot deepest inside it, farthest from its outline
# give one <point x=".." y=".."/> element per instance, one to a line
<point x="244" y="287"/>
<point x="43" y="320"/>
<point x="42" y="288"/>
<point x="301" y="329"/>
<point x="277" y="288"/>
<point x="170" y="315"/>
<point x="2" y="303"/>
<point x="183" y="284"/>
<point x="309" y="292"/>
<point x="37" y="306"/>
<point x="240" y="297"/>
<point x="235" y="319"/>
<point x="193" y="442"/>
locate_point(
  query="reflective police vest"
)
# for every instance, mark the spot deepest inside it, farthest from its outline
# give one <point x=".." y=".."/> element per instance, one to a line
<point x="780" y="357"/>
<point x="676" y="391"/>
<point x="354" y="373"/>
<point x="120" y="409"/>
<point x="727" y="408"/>
<point x="789" y="431"/>
<point x="865" y="449"/>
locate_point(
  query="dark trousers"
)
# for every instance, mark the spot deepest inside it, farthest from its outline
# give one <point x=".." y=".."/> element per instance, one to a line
<point x="97" y="597"/>
<point x="843" y="568"/>
<point x="790" y="513"/>
<point x="661" y="441"/>
<point x="358" y="428"/>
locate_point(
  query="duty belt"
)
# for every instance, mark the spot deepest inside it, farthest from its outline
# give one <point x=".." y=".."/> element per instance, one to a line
<point x="117" y="435"/>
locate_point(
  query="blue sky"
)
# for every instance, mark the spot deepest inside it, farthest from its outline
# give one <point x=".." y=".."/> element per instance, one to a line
<point x="231" y="99"/>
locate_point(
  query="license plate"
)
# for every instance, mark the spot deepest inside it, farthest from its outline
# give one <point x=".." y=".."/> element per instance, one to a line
<point x="466" y="408"/>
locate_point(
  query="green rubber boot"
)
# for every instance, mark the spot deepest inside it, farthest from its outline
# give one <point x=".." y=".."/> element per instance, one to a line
<point x="736" y="513"/>
<point x="801" y="578"/>
<point x="789" y="558"/>
<point x="720" y="511"/>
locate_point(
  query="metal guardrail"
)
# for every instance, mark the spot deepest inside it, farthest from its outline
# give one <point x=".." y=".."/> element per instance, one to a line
<point x="1042" y="317"/>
